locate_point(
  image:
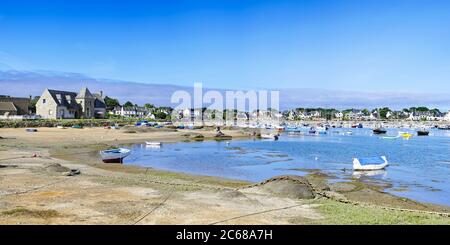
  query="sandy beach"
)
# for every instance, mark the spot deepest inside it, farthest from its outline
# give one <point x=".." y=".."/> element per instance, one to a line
<point x="34" y="191"/>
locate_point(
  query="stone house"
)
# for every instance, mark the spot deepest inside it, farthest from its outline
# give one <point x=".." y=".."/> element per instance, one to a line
<point x="56" y="104"/>
<point x="13" y="106"/>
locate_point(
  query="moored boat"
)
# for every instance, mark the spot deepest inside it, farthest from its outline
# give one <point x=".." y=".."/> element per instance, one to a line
<point x="423" y="132"/>
<point x="371" y="163"/>
<point x="379" y="131"/>
<point x="114" y="155"/>
<point x="269" y="136"/>
<point x="405" y="135"/>
<point x="152" y="143"/>
<point x="390" y="137"/>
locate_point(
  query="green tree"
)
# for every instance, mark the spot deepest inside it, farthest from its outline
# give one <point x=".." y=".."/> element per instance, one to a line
<point x="160" y="115"/>
<point x="422" y="108"/>
<point x="383" y="111"/>
<point x="128" y="104"/>
<point x="436" y="112"/>
<point x="149" y="106"/>
<point x="32" y="104"/>
<point x="110" y="102"/>
<point x="365" y="112"/>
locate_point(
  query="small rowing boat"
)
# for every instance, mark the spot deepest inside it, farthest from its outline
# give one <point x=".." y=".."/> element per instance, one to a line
<point x="405" y="135"/>
<point x="371" y="163"/>
<point x="114" y="155"/>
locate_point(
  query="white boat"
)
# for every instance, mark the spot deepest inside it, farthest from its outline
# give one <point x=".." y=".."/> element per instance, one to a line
<point x="153" y="143"/>
<point x="269" y="136"/>
<point x="372" y="163"/>
<point x="390" y="137"/>
<point x="114" y="155"/>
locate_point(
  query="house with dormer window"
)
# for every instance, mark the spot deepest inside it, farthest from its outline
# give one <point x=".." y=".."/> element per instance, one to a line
<point x="57" y="104"/>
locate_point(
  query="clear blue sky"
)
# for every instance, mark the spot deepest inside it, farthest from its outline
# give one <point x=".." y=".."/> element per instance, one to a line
<point x="358" y="45"/>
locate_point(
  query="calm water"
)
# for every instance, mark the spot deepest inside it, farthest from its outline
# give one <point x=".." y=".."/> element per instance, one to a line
<point x="419" y="167"/>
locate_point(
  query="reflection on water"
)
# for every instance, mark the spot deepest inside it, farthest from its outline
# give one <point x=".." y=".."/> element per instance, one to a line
<point x="421" y="163"/>
<point x="359" y="174"/>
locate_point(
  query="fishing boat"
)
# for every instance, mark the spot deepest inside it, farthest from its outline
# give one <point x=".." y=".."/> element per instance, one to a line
<point x="114" y="155"/>
<point x="444" y="127"/>
<point x="152" y="143"/>
<point x="379" y="131"/>
<point x="269" y="136"/>
<point x="423" y="132"/>
<point x="371" y="163"/>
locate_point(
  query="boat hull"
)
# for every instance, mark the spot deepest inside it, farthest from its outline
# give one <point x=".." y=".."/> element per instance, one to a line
<point x="116" y="160"/>
<point x="357" y="166"/>
<point x="379" y="131"/>
<point x="114" y="156"/>
<point x="423" y="133"/>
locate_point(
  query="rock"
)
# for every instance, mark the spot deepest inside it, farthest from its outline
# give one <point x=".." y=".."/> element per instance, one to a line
<point x="336" y="196"/>
<point x="289" y="186"/>
<point x="56" y="167"/>
<point x="342" y="187"/>
<point x="222" y="136"/>
<point x="72" y="172"/>
<point x="321" y="187"/>
<point x="194" y="136"/>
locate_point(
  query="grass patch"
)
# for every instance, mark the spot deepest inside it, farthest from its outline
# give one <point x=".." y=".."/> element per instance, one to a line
<point x="21" y="211"/>
<point x="346" y="214"/>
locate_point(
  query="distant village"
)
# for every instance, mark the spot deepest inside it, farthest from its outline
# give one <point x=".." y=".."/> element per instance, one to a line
<point x="57" y="104"/>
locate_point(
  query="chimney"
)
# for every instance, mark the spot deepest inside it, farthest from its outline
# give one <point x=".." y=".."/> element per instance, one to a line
<point x="101" y="94"/>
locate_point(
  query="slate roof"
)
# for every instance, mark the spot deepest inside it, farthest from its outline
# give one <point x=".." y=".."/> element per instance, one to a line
<point x="61" y="98"/>
<point x="84" y="93"/>
<point x="7" y="106"/>
<point x="99" y="101"/>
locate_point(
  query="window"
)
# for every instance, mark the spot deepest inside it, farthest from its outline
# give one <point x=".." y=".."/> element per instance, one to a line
<point x="43" y="101"/>
<point x="50" y="112"/>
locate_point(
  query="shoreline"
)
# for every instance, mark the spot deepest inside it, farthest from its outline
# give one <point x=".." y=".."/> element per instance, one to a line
<point x="65" y="150"/>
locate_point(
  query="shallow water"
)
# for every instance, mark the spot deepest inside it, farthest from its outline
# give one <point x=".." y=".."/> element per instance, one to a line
<point x="419" y="167"/>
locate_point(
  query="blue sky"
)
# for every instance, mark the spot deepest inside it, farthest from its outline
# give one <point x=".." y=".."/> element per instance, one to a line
<point x="358" y="45"/>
